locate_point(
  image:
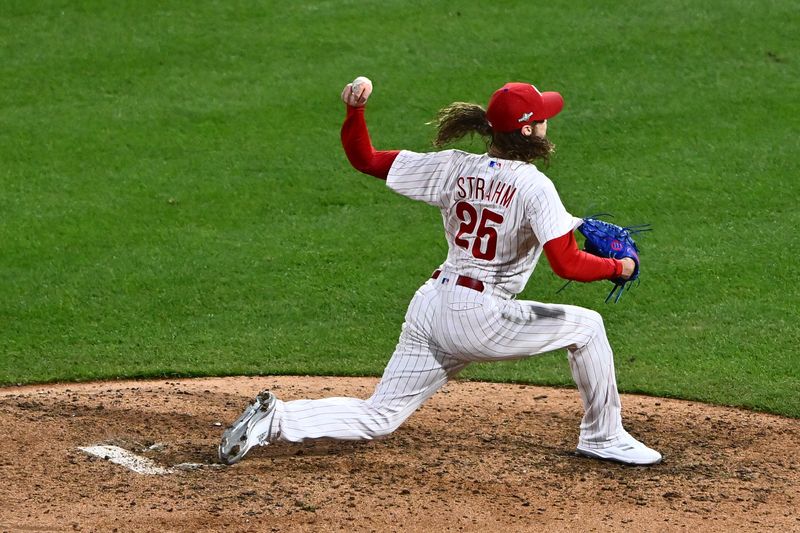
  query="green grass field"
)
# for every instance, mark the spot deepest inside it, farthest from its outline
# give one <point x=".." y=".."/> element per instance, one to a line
<point x="174" y="199"/>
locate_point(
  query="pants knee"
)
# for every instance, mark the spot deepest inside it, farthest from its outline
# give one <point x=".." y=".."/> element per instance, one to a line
<point x="592" y="324"/>
<point x="596" y="320"/>
<point x="384" y="426"/>
<point x="384" y="421"/>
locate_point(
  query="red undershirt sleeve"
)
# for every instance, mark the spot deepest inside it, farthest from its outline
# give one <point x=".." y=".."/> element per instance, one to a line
<point x="358" y="146"/>
<point x="568" y="262"/>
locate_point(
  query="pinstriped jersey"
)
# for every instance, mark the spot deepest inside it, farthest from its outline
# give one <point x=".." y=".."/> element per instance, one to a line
<point x="497" y="213"/>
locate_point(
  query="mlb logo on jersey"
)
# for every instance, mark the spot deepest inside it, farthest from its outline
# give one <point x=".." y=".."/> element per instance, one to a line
<point x="494" y="164"/>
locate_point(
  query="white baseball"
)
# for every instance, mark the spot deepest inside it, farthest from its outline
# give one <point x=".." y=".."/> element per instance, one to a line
<point x="362" y="87"/>
<point x="361" y="80"/>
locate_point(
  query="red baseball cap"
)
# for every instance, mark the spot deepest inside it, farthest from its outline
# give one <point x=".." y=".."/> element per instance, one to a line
<point x="516" y="104"/>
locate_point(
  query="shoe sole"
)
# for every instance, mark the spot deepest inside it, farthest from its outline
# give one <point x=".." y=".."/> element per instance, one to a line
<point x="234" y="445"/>
<point x="595" y="455"/>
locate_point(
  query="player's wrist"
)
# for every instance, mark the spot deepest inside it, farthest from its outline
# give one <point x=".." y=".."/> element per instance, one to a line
<point x="618" y="268"/>
<point x="628" y="266"/>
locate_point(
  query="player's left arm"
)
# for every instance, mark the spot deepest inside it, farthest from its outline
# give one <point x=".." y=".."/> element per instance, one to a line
<point x="555" y="227"/>
<point x="569" y="262"/>
<point x="355" y="136"/>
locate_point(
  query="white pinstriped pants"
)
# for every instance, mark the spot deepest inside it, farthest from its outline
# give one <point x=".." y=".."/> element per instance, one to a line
<point x="447" y="327"/>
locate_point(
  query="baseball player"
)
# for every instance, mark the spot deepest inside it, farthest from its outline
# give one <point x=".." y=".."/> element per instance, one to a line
<point x="499" y="214"/>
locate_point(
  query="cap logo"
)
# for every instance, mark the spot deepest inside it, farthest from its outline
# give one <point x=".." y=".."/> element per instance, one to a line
<point x="525" y="117"/>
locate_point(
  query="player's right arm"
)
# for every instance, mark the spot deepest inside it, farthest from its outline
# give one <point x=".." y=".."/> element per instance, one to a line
<point x="419" y="176"/>
<point x="355" y="137"/>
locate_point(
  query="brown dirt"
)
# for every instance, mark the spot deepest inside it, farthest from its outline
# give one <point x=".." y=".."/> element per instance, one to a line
<point x="477" y="456"/>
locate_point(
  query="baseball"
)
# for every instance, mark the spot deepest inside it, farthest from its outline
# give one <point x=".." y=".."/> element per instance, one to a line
<point x="361" y="88"/>
<point x="362" y="80"/>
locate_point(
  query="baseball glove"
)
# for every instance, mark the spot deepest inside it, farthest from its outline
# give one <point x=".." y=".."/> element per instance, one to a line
<point x="605" y="239"/>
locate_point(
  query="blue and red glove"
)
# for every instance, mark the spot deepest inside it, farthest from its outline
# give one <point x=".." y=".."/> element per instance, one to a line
<point x="605" y="239"/>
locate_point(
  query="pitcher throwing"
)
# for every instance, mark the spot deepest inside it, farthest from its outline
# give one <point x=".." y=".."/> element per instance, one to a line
<point x="499" y="213"/>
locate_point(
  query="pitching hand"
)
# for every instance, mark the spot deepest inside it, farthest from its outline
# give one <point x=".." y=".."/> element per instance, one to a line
<point x="355" y="94"/>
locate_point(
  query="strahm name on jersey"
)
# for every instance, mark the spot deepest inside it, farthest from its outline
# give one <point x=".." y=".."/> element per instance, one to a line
<point x="494" y="191"/>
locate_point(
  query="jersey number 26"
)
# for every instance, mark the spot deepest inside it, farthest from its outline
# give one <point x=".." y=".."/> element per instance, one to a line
<point x="485" y="244"/>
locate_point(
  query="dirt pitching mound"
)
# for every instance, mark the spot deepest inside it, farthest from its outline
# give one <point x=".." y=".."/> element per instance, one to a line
<point x="477" y="456"/>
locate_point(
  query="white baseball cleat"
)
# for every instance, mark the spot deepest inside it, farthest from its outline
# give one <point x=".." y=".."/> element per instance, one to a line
<point x="240" y="437"/>
<point x="626" y="450"/>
